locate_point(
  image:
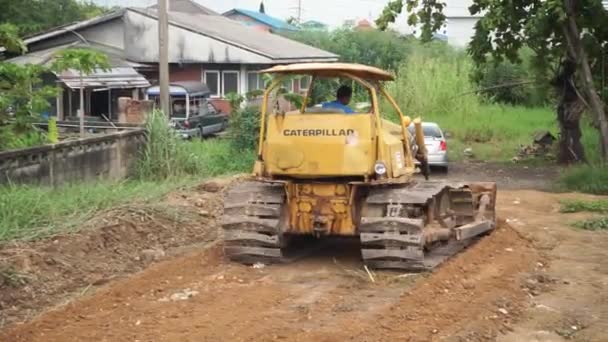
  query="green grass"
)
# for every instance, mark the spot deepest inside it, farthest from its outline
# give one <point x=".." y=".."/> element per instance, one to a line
<point x="215" y="157"/>
<point x="597" y="206"/>
<point x="438" y="88"/>
<point x="595" y="224"/>
<point x="495" y="132"/>
<point x="28" y="211"/>
<point x="589" y="178"/>
<point x="575" y="206"/>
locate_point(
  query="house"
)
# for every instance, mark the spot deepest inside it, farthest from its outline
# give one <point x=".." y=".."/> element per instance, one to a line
<point x="203" y="46"/>
<point x="258" y="20"/>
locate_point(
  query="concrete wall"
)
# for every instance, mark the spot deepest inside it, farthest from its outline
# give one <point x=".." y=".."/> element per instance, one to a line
<point x="111" y="34"/>
<point x="110" y="156"/>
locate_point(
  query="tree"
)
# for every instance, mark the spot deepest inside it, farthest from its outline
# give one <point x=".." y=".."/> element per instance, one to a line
<point x="262" y="10"/>
<point x="30" y="16"/>
<point x="571" y="34"/>
<point x="427" y="13"/>
<point x="22" y="95"/>
<point x="86" y="62"/>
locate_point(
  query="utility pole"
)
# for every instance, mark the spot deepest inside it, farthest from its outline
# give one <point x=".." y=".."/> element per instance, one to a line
<point x="163" y="55"/>
<point x="299" y="12"/>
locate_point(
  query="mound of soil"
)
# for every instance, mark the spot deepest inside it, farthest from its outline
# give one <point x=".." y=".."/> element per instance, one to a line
<point x="37" y="274"/>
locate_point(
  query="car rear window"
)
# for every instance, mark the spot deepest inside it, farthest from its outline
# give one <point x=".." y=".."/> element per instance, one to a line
<point x="429" y="131"/>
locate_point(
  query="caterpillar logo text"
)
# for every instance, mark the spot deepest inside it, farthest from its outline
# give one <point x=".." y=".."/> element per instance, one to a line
<point x="318" y="132"/>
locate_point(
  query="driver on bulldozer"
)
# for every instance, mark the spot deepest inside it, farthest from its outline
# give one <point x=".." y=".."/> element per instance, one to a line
<point x="343" y="97"/>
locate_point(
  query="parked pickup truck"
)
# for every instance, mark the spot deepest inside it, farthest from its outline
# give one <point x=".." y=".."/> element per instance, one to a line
<point x="192" y="115"/>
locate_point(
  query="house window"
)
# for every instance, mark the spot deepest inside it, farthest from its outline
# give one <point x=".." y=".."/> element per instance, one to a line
<point x="255" y="81"/>
<point x="305" y="83"/>
<point x="230" y="82"/>
<point x="212" y="79"/>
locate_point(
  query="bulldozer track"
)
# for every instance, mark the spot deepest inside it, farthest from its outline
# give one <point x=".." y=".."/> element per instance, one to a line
<point x="254" y="216"/>
<point x="410" y="227"/>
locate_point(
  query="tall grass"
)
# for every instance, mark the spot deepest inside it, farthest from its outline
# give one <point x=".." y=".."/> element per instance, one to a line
<point x="164" y="155"/>
<point x="438" y="88"/>
<point x="30" y="211"/>
<point x="590" y="178"/>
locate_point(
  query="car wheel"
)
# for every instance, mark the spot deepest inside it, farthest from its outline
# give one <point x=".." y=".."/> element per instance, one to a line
<point x="200" y="132"/>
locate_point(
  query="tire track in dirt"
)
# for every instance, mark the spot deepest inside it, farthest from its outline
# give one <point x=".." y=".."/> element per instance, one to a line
<point x="311" y="300"/>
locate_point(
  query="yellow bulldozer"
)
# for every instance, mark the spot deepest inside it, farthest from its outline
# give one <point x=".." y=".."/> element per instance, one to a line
<point x="323" y="171"/>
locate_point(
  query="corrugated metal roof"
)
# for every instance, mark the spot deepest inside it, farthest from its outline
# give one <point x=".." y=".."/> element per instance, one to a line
<point x="187" y="6"/>
<point x="66" y="29"/>
<point x="274" y="23"/>
<point x="45" y="57"/>
<point x="275" y="47"/>
<point x="114" y="78"/>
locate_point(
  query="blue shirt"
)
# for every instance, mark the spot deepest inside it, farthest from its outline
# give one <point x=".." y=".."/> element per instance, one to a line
<point x="338" y="105"/>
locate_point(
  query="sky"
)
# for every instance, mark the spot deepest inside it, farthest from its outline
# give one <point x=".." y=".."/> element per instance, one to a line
<point x="331" y="12"/>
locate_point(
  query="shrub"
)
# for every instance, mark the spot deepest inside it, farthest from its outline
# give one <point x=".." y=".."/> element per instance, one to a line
<point x="431" y="85"/>
<point x="245" y="128"/>
<point x="165" y="154"/>
<point x="591" y="179"/>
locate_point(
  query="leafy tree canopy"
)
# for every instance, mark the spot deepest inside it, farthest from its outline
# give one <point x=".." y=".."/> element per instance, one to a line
<point x="31" y="16"/>
<point x="85" y="61"/>
<point x="427" y="13"/>
<point x="570" y="33"/>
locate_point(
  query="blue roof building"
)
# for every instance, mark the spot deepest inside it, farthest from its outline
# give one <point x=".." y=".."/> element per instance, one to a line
<point x="259" y="20"/>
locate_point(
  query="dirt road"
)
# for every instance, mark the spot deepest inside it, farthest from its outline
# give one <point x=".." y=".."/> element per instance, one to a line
<point x="534" y="279"/>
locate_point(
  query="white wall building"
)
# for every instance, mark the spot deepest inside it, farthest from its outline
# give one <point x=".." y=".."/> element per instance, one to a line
<point x="460" y="24"/>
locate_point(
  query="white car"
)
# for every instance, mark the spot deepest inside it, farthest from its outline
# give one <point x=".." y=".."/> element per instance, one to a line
<point x="436" y="144"/>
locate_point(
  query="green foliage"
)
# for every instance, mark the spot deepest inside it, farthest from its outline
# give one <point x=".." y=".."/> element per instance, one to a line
<point x="31" y="16"/>
<point x="382" y="49"/>
<point x="9" y="39"/>
<point x="591" y="179"/>
<point x="164" y="155"/>
<point x="11" y="140"/>
<point x="433" y="83"/>
<point x="235" y="100"/>
<point x="85" y="61"/>
<point x="426" y="13"/>
<point x="245" y="128"/>
<point x="53" y="135"/>
<point x="295" y="99"/>
<point x="575" y="206"/>
<point x="600" y="223"/>
<point x="23" y="98"/>
<point x="219" y="157"/>
<point x="513" y="83"/>
<point x="31" y="211"/>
